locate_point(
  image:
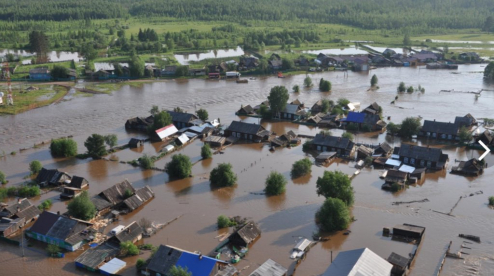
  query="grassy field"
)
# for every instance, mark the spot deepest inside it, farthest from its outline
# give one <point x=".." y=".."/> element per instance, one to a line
<point x="26" y="100"/>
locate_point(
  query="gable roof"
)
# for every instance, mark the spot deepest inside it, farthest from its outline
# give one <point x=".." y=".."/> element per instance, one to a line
<point x="93" y="257"/>
<point x="20" y="205"/>
<point x="420" y="153"/>
<point x="384" y="147"/>
<point x="466" y="120"/>
<point x="182" y="117"/>
<point x="100" y="203"/>
<point x="196" y="264"/>
<point x="398" y="260"/>
<point x="248" y="232"/>
<point x="246" y="109"/>
<point x="140" y="197"/>
<point x="297" y="102"/>
<point x="355" y="117"/>
<point x="129" y="233"/>
<point x="134" y="142"/>
<point x="440" y="127"/>
<point x="291" y="109"/>
<point x="358" y="262"/>
<point x="115" y="194"/>
<point x="269" y="268"/>
<point x="332" y="141"/>
<point x="78" y="182"/>
<point x="470" y="166"/>
<point x="59" y="227"/>
<point x="166" y="131"/>
<point x="237" y="126"/>
<point x="164" y="259"/>
<point x="29" y="213"/>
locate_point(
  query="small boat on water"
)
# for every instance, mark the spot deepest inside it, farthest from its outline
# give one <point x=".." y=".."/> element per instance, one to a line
<point x="243" y="81"/>
<point x="280" y="75"/>
<point x="470" y="237"/>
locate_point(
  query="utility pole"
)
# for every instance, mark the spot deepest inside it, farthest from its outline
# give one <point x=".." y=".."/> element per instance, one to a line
<point x="22" y="240"/>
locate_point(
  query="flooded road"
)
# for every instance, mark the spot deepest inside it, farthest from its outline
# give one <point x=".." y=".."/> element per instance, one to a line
<point x="284" y="218"/>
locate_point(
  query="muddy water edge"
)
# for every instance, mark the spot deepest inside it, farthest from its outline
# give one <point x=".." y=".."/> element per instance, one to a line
<point x="284" y="218"/>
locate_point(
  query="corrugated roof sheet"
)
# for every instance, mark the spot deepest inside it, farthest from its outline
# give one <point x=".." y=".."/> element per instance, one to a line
<point x="247" y="128"/>
<point x="406" y="168"/>
<point x="141" y="196"/>
<point x="115" y="194"/>
<point x="302" y="244"/>
<point x="166" y="131"/>
<point x="420" y="153"/>
<point x="29" y="213"/>
<point x="291" y="109"/>
<point x="182" y="139"/>
<point x="59" y="227"/>
<point x="129" y="233"/>
<point x="113" y="266"/>
<point x="164" y="259"/>
<point x="182" y="117"/>
<point x="393" y="162"/>
<point x="332" y="141"/>
<point x="100" y="203"/>
<point x="78" y="182"/>
<point x="358" y="262"/>
<point x="269" y="268"/>
<point x="249" y="232"/>
<point x="93" y="257"/>
<point x="440" y="127"/>
<point x="197" y="266"/>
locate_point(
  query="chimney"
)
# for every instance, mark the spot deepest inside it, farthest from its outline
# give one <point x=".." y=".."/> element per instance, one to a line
<point x="200" y="256"/>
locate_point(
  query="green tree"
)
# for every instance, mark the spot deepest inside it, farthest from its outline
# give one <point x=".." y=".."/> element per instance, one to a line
<point x="3" y="179"/>
<point x="81" y="207"/>
<point x="140" y="263"/>
<point x="488" y="24"/>
<point x="223" y="221"/>
<point x="202" y="114"/>
<point x="296" y="88"/>
<point x="308" y="81"/>
<point x="128" y="248"/>
<point x="275" y="184"/>
<point x="136" y="67"/>
<point x="337" y="185"/>
<point x="161" y="120"/>
<point x="373" y="80"/>
<point x="301" y="168"/>
<point x="307" y="146"/>
<point x="179" y="167"/>
<point x="342" y="102"/>
<point x="277" y="99"/>
<point x="410" y="89"/>
<point x="179" y="271"/>
<point x="128" y="193"/>
<point x="63" y="147"/>
<point x="206" y="151"/>
<point x="223" y="176"/>
<point x="146" y="162"/>
<point x="118" y="69"/>
<point x="406" y="40"/>
<point x="178" y="109"/>
<point x="287" y="64"/>
<point x="35" y="167"/>
<point x="333" y="215"/>
<point x="59" y="72"/>
<point x="347" y="135"/>
<point x="324" y="85"/>
<point x="393" y="128"/>
<point x="491" y="200"/>
<point x="95" y="145"/>
<point x="489" y="71"/>
<point x="410" y="126"/>
<point x="52" y="249"/>
<point x="154" y="110"/>
<point x="402" y="87"/>
<point x="182" y="71"/>
<point x="464" y="134"/>
<point x="72" y="65"/>
<point x="111" y="140"/>
<point x="325" y="106"/>
<point x="265" y="112"/>
<point x="88" y="52"/>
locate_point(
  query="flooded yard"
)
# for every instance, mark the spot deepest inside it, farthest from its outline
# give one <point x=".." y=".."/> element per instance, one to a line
<point x="285" y="218"/>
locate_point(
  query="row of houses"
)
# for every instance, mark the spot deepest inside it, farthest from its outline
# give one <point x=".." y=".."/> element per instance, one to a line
<point x="44" y="74"/>
<point x="16" y="216"/>
<point x="446" y="130"/>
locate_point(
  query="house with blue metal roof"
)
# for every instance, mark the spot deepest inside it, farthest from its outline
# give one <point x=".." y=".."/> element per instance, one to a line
<point x="167" y="257"/>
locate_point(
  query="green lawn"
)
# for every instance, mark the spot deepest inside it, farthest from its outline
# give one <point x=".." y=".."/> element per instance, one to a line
<point x="27" y="100"/>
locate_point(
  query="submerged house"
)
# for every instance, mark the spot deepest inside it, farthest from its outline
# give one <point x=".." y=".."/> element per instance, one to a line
<point x="472" y="167"/>
<point x="163" y="133"/>
<point x="40" y="74"/>
<point x="439" y="130"/>
<point x="317" y="107"/>
<point x="343" y="146"/>
<point x="486" y="138"/>
<point x="364" y="119"/>
<point x="400" y="264"/>
<point x="466" y="121"/>
<point x="78" y="182"/>
<point x="384" y="149"/>
<point x="246" y="110"/>
<point x="270" y="268"/>
<point x="131" y="233"/>
<point x="23" y="209"/>
<point x="245" y="235"/>
<point x="291" y="112"/>
<point x="94" y="258"/>
<point x="247" y="131"/>
<point x="52" y="177"/>
<point x="64" y="232"/>
<point x="9" y="226"/>
<point x="359" y="262"/>
<point x="181" y="120"/>
<point x="70" y="192"/>
<point x="139" y="123"/>
<point x="140" y="197"/>
<point x="135" y="143"/>
<point x="116" y="193"/>
<point x="374" y="108"/>
<point x="167" y="257"/>
<point x="422" y="157"/>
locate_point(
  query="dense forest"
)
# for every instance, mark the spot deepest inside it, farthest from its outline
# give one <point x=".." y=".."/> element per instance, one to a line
<point x="369" y="14"/>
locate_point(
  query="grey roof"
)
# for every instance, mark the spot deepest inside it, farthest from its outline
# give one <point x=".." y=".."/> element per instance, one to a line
<point x="100" y="203"/>
<point x="249" y="232"/>
<point x="134" y="142"/>
<point x="466" y="120"/>
<point x="107" y="66"/>
<point x="384" y="147"/>
<point x="21" y="204"/>
<point x="115" y="194"/>
<point x="365" y="150"/>
<point x="129" y="233"/>
<point x="29" y="213"/>
<point x="269" y="268"/>
<point x="358" y="262"/>
<point x="93" y="257"/>
<point x="275" y="63"/>
<point x="440" y="127"/>
<point x="59" y="227"/>
<point x="164" y="259"/>
<point x="291" y="109"/>
<point x="242" y="127"/>
<point x="470" y="166"/>
<point x="141" y="196"/>
<point x="78" y="182"/>
<point x="246" y="109"/>
<point x="182" y="117"/>
<point x="410" y="228"/>
<point x="51" y="176"/>
<point x="39" y="71"/>
<point x="332" y="141"/>
<point x="398" y="260"/>
<point x="226" y="271"/>
<point x="420" y="153"/>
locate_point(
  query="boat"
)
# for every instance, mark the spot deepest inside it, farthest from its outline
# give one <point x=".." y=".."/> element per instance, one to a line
<point x="300" y="249"/>
<point x="383" y="175"/>
<point x="280" y="75"/>
<point x="470" y="237"/>
<point x="243" y="81"/>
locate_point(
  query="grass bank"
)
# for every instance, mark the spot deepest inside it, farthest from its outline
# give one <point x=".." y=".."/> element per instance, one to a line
<point x="25" y="100"/>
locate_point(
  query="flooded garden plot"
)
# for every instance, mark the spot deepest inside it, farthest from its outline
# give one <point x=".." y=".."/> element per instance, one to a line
<point x="282" y="219"/>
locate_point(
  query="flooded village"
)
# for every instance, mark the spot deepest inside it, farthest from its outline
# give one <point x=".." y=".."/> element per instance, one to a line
<point x="414" y="196"/>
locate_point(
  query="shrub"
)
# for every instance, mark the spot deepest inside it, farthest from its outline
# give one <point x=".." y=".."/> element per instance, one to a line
<point x="3" y="179"/>
<point x="393" y="128"/>
<point x="206" y="151"/>
<point x="352" y="127"/>
<point x="64" y="147"/>
<point x="128" y="193"/>
<point x="28" y="191"/>
<point x="373" y="80"/>
<point x="301" y="168"/>
<point x="464" y="134"/>
<point x="333" y="215"/>
<point x="128" y="248"/>
<point x="275" y="184"/>
<point x="308" y="82"/>
<point x="366" y="128"/>
<point x="342" y="102"/>
<point x="35" y="167"/>
<point x="296" y="88"/>
<point x="224" y="221"/>
<point x="202" y="114"/>
<point x="52" y="249"/>
<point x="368" y="161"/>
<point x="347" y="135"/>
<point x="179" y="271"/>
<point x="324" y="85"/>
<point x="161" y="120"/>
<point x="325" y="106"/>
<point x="81" y="207"/>
<point x="111" y="140"/>
<point x="491" y="200"/>
<point x="146" y="162"/>
<point x="402" y="87"/>
<point x="395" y="187"/>
<point x="12" y="191"/>
<point x="336" y="185"/>
<point x="265" y="112"/>
<point x="180" y="166"/>
<point x="45" y="205"/>
<point x="410" y="89"/>
<point x="307" y="146"/>
<point x="223" y="176"/>
<point x="95" y="145"/>
<point x="140" y="263"/>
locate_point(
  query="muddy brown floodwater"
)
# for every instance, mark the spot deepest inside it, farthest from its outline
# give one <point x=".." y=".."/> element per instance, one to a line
<point x="284" y="218"/>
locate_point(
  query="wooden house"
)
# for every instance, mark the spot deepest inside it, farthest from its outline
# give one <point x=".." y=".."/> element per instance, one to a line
<point x="439" y="130"/>
<point x="215" y="141"/>
<point x="131" y="233"/>
<point x="408" y="231"/>
<point x="181" y="120"/>
<point x="139" y="123"/>
<point x="246" y="110"/>
<point x="52" y="177"/>
<point x="486" y="138"/>
<point x="374" y="108"/>
<point x="270" y="268"/>
<point x="372" y="121"/>
<point x="135" y="143"/>
<point x="66" y="233"/>
<point x="363" y="152"/>
<point x="343" y="146"/>
<point x="247" y="131"/>
<point x="93" y="258"/>
<point x="163" y="133"/>
<point x="22" y="209"/>
<point x="70" y="193"/>
<point x="317" y="107"/>
<point x="384" y="149"/>
<point x="422" y="157"/>
<point x="245" y="235"/>
<point x="472" y="167"/>
<point x="466" y="121"/>
<point x="78" y="182"/>
<point x="8" y="226"/>
<point x="291" y="112"/>
<point x="102" y="205"/>
<point x="400" y="264"/>
<point x="140" y="197"/>
<point x="116" y="194"/>
<point x="396" y="176"/>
